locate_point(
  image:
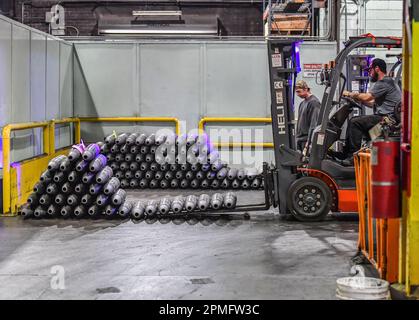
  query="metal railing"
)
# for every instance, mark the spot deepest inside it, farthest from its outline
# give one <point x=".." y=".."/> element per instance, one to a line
<point x="7" y="185"/>
<point x="25" y="173"/>
<point x="203" y="121"/>
<point x="54" y="122"/>
<point x="19" y="177"/>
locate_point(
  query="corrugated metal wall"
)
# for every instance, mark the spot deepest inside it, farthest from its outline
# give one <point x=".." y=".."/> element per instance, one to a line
<point x="185" y="80"/>
<point x="36" y="83"/>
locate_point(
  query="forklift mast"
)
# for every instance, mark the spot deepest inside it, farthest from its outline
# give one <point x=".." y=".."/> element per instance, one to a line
<point x="284" y="64"/>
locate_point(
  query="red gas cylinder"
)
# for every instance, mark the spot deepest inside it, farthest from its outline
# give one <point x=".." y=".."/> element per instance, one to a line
<point x="385" y="177"/>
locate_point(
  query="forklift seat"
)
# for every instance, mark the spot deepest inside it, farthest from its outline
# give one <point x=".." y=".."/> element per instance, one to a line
<point x="338" y="171"/>
<point x="334" y="125"/>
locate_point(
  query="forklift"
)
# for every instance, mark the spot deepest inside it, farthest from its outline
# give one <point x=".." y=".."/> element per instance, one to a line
<point x="309" y="186"/>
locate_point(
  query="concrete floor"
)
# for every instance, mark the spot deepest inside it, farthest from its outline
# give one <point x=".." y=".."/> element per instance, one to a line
<point x="260" y="258"/>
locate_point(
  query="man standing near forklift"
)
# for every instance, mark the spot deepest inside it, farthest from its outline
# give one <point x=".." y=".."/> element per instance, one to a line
<point x="383" y="97"/>
<point x="308" y="112"/>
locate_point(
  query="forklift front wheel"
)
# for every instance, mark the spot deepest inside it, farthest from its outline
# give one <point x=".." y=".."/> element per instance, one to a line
<point x="309" y="199"/>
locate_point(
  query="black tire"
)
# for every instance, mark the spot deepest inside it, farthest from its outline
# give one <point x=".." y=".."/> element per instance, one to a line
<point x="309" y="199"/>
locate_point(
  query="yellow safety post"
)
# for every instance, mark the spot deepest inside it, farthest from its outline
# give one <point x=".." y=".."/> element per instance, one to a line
<point x="411" y="215"/>
<point x="408" y="281"/>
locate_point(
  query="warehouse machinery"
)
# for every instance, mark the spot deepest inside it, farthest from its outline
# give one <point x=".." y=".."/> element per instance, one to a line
<point x="309" y="186"/>
<point x="396" y="70"/>
<point x="357" y="78"/>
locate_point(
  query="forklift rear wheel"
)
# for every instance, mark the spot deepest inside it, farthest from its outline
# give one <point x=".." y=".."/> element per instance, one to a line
<point x="309" y="199"/>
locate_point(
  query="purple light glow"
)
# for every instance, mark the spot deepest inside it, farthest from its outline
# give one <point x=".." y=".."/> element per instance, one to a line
<point x="297" y="57"/>
<point x="18" y="168"/>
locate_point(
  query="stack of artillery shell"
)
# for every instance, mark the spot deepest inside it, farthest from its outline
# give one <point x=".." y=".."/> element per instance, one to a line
<point x="90" y="181"/>
<point x="78" y="185"/>
<point x="170" y="161"/>
<point x="82" y="185"/>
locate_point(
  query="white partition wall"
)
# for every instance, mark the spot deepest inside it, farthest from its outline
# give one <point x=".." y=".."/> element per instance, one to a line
<point x="36" y="81"/>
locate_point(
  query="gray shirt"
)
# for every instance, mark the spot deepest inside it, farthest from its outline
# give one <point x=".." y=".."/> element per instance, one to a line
<point x="308" y="112"/>
<point x="387" y="95"/>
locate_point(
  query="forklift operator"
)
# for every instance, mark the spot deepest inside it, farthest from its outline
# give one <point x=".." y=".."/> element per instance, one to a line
<point x="383" y="97"/>
<point x="308" y="112"/>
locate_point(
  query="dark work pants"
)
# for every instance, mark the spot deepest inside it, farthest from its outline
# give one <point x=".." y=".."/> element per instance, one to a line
<point x="358" y="128"/>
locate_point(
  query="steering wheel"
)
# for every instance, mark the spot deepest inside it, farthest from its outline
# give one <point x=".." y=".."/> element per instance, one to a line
<point x="352" y="102"/>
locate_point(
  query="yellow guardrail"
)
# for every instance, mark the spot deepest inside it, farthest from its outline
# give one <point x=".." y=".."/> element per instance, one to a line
<point x="203" y="121"/>
<point x="54" y="122"/>
<point x="19" y="177"/>
<point x="134" y="119"/>
<point x="7" y="185"/>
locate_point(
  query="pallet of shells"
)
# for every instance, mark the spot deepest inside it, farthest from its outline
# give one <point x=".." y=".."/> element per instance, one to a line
<point x="171" y="161"/>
